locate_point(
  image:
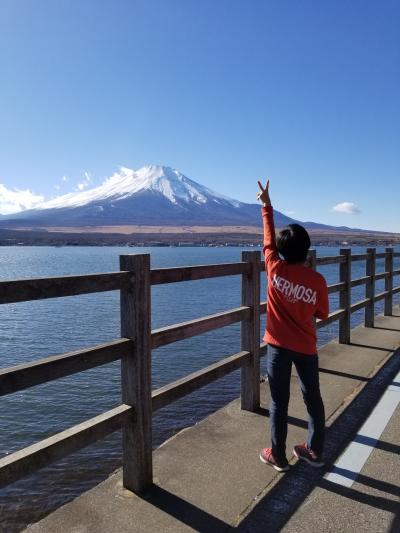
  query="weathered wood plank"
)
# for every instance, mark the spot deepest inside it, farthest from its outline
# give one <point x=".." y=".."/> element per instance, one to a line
<point x="336" y="287"/>
<point x="381" y="255"/>
<point x="359" y="257"/>
<point x="381" y="275"/>
<point x="332" y="317"/>
<point x="396" y="272"/>
<point x="191" y="273"/>
<point x="185" y="330"/>
<point x="55" y="287"/>
<point x="359" y="281"/>
<point x="263" y="307"/>
<point x="137" y="468"/>
<point x="396" y="254"/>
<point x="345" y="296"/>
<point x="250" y="334"/>
<point x="330" y="260"/>
<point x="380" y="296"/>
<point x="20" y="377"/>
<point x="359" y="305"/>
<point x="396" y="290"/>
<point x="24" y="462"/>
<point x="388" y="309"/>
<point x="181" y="387"/>
<point x="370" y="267"/>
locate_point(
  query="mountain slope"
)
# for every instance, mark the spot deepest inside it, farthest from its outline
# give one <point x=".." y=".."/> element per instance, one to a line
<point x="152" y="195"/>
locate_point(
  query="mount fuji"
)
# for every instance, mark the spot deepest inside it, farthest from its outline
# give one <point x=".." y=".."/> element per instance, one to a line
<point x="152" y="195"/>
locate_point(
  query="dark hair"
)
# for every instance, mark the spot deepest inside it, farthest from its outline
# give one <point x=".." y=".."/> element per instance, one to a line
<point x="293" y="243"/>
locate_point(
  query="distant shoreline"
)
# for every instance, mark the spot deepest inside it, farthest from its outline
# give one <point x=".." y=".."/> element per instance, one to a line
<point x="176" y="236"/>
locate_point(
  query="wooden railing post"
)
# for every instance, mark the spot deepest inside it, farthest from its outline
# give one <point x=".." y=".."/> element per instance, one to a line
<point x="250" y="333"/>
<point x="370" y="288"/>
<point x="136" y="374"/>
<point x="389" y="282"/>
<point x="345" y="296"/>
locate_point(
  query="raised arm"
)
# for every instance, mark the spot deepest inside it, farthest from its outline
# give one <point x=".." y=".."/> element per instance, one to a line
<point x="269" y="250"/>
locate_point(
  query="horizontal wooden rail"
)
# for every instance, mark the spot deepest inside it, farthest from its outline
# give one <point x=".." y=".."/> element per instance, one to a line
<point x="380" y="255"/>
<point x="185" y="330"/>
<point x="191" y="273"/>
<point x="396" y="254"/>
<point x="181" y="387"/>
<point x="359" y="257"/>
<point x="336" y="287"/>
<point x="20" y="377"/>
<point x="382" y="275"/>
<point x="23" y="290"/>
<point x="332" y="317"/>
<point x="263" y="307"/>
<point x="396" y="290"/>
<point x="330" y="260"/>
<point x="359" y="305"/>
<point x="396" y="272"/>
<point x="32" y="458"/>
<point x="359" y="281"/>
<point x="380" y="296"/>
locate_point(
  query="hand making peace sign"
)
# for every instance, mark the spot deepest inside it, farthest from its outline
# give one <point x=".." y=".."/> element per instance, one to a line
<point x="263" y="196"/>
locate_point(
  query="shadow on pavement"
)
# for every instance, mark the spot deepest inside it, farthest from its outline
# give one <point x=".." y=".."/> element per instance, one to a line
<point x="382" y="445"/>
<point x="279" y="503"/>
<point x="184" y="511"/>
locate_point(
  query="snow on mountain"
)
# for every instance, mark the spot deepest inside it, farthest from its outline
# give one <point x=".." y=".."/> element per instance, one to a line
<point x="127" y="182"/>
<point x="152" y="195"/>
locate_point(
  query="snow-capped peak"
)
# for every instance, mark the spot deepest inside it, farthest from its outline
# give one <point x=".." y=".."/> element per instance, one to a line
<point x="166" y="181"/>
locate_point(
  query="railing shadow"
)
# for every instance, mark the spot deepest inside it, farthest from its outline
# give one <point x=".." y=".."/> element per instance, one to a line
<point x="184" y="511"/>
<point x="277" y="507"/>
<point x="343" y="374"/>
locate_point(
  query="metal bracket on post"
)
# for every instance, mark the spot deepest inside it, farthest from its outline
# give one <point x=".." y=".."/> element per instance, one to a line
<point x="389" y="282"/>
<point x="370" y="288"/>
<point x="250" y="333"/>
<point x="345" y="296"/>
<point x="136" y="374"/>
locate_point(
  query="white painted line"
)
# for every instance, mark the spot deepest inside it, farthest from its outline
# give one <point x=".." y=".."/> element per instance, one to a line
<point x="350" y="463"/>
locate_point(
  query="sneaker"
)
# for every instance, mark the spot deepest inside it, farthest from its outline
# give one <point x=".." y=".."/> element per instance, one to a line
<point x="267" y="458"/>
<point x="302" y="451"/>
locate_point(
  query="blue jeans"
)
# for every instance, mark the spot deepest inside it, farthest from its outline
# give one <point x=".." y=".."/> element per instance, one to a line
<point x="279" y="368"/>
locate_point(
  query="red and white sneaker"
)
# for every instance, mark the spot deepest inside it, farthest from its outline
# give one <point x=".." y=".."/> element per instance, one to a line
<point x="302" y="451"/>
<point x="267" y="458"/>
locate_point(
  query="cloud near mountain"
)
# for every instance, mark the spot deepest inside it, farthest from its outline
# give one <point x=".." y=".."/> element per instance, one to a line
<point x="16" y="200"/>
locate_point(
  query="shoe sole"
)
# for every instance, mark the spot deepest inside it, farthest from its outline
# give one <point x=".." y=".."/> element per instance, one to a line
<point x="315" y="464"/>
<point x="277" y="468"/>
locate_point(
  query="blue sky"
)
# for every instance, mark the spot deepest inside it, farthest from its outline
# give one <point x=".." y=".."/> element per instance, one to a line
<point x="226" y="91"/>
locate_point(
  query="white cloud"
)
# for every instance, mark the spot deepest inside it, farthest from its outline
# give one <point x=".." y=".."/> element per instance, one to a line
<point x="84" y="184"/>
<point x="346" y="207"/>
<point x="64" y="179"/>
<point x="57" y="187"/>
<point x="13" y="201"/>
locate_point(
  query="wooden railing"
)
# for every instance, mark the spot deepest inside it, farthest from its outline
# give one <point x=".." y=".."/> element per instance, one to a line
<point x="134" y="415"/>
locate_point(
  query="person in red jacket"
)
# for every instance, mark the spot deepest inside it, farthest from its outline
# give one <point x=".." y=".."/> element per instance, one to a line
<point x="296" y="295"/>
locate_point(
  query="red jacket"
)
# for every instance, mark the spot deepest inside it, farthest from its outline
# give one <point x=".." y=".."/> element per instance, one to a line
<point x="296" y="294"/>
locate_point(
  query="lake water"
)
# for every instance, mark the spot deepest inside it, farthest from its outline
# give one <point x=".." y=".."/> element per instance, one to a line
<point x="32" y="330"/>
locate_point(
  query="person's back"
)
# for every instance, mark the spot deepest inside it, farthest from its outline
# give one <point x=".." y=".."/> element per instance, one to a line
<point x="296" y="295"/>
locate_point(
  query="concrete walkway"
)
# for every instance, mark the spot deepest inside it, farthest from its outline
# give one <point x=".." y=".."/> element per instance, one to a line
<point x="209" y="477"/>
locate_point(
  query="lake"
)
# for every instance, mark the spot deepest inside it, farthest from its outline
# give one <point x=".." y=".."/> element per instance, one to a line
<point x="32" y="330"/>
